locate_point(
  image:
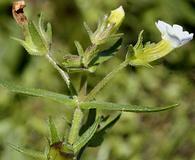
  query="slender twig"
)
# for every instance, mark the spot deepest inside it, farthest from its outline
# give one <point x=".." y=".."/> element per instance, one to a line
<point x="64" y="75"/>
<point x="104" y="81"/>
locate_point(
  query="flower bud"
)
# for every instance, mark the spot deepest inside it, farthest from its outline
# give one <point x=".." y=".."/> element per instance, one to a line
<point x="107" y="28"/>
<point x="116" y="18"/>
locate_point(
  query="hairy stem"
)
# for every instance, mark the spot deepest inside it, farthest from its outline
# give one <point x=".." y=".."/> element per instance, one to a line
<point x="64" y="75"/>
<point x="105" y="80"/>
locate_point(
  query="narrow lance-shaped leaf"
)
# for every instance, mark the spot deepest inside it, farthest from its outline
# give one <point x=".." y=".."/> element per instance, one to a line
<point x="30" y="153"/>
<point x="84" y="105"/>
<point x="98" y="137"/>
<point x="39" y="93"/>
<point x="85" y="137"/>
<point x="123" y="107"/>
<point x="53" y="131"/>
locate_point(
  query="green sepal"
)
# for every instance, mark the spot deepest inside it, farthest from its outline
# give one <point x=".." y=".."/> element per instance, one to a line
<point x="112" y="38"/>
<point x="79" y="47"/>
<point x="45" y="33"/>
<point x="29" y="47"/>
<point x="37" y="39"/>
<point x="53" y="131"/>
<point x="130" y="52"/>
<point x="139" y="44"/>
<point x="88" y="29"/>
<point x="134" y="51"/>
<point x="49" y="33"/>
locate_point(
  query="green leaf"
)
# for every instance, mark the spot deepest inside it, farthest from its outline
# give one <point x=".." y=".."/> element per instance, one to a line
<point x="90" y="120"/>
<point x="53" y="131"/>
<point x="39" y="93"/>
<point x="84" y="105"/>
<point x="85" y="137"/>
<point x="37" y="38"/>
<point x="30" y="153"/>
<point x="123" y="107"/>
<point x="98" y="137"/>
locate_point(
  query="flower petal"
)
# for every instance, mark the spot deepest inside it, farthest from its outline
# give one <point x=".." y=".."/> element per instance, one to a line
<point x="174" y="34"/>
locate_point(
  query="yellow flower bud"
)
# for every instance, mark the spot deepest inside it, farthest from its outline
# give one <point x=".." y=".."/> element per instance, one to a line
<point x="116" y="17"/>
<point x="107" y="28"/>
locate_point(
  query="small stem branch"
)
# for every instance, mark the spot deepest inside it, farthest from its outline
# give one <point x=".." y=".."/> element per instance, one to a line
<point x="105" y="80"/>
<point x="76" y="125"/>
<point x="83" y="87"/>
<point x="64" y="75"/>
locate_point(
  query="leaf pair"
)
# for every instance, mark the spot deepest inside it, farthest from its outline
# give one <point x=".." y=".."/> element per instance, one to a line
<point x="71" y="102"/>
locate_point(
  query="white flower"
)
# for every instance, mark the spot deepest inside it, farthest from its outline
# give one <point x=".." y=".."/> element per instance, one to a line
<point x="174" y="34"/>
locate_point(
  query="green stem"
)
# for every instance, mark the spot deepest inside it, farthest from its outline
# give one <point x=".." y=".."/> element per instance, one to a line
<point x="76" y="125"/>
<point x="64" y="75"/>
<point x="104" y="81"/>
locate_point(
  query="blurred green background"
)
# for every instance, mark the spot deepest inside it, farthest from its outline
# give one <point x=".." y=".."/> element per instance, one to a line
<point x="167" y="135"/>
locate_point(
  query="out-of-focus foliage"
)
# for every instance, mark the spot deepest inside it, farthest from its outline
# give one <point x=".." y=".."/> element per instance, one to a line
<point x="166" y="135"/>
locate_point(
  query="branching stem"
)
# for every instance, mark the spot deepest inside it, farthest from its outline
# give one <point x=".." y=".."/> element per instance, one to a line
<point x="105" y="80"/>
